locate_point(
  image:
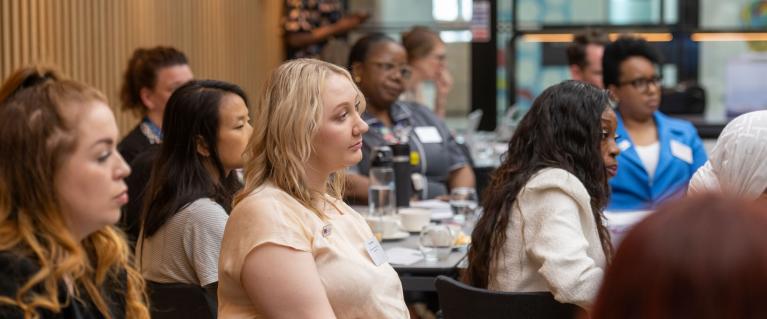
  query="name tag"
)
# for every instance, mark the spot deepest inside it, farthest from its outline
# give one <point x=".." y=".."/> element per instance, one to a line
<point x="624" y="145"/>
<point x="375" y="251"/>
<point x="681" y="151"/>
<point x="428" y="134"/>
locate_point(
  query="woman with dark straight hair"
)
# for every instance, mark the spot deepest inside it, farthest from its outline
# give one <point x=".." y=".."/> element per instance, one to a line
<point x="542" y="229"/>
<point x="702" y="257"/>
<point x="193" y="180"/>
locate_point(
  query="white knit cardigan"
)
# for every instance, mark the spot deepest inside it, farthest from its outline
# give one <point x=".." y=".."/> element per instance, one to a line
<point x="552" y="243"/>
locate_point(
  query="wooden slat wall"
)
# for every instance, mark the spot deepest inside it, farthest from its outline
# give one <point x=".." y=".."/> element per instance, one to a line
<point x="91" y="40"/>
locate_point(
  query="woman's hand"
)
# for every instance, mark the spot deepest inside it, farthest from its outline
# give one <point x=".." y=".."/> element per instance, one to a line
<point x="444" y="83"/>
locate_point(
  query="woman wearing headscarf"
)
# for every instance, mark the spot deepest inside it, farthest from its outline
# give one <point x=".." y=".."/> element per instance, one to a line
<point x="737" y="163"/>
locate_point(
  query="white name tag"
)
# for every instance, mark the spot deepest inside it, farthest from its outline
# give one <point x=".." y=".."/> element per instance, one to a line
<point x="681" y="151"/>
<point x="428" y="134"/>
<point x="624" y="145"/>
<point x="375" y="251"/>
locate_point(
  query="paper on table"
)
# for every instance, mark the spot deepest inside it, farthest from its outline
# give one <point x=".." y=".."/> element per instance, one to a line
<point x="439" y="209"/>
<point x="403" y="256"/>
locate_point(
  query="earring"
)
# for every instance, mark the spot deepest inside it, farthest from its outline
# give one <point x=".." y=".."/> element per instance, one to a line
<point x="357" y="79"/>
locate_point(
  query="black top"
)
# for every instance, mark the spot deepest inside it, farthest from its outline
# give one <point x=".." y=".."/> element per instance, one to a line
<point x="133" y="144"/>
<point x="15" y="270"/>
<point x="137" y="181"/>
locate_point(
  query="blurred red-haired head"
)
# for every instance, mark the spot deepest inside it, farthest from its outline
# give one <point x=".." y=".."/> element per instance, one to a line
<point x="702" y="257"/>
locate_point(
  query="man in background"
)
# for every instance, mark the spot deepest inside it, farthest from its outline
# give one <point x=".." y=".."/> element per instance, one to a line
<point x="584" y="56"/>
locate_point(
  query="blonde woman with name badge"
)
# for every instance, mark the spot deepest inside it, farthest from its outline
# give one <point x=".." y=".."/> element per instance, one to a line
<point x="292" y="248"/>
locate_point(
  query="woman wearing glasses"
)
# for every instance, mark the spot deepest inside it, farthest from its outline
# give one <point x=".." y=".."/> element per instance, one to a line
<point x="659" y="154"/>
<point x="379" y="66"/>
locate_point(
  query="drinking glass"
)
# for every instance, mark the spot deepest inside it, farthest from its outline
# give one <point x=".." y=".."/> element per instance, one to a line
<point x="436" y="242"/>
<point x="463" y="201"/>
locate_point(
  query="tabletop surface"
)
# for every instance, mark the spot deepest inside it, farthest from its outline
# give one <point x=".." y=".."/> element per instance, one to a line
<point x="422" y="266"/>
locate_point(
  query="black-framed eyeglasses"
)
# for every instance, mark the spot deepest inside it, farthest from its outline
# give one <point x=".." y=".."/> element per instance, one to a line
<point x="643" y="84"/>
<point x="403" y="70"/>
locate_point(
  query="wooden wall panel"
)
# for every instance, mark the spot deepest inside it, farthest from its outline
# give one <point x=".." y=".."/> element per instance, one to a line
<point x="91" y="40"/>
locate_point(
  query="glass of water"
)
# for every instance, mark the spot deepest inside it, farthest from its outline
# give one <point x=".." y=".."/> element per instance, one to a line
<point x="436" y="242"/>
<point x="463" y="202"/>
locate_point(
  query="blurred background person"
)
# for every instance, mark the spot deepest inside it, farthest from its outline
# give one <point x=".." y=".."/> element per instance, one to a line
<point x="192" y="185"/>
<point x="703" y="257"/>
<point x="318" y="28"/>
<point x="584" y="56"/>
<point x="430" y="81"/>
<point x="292" y="248"/>
<point x="542" y="228"/>
<point x="61" y="188"/>
<point x="738" y="162"/>
<point x="148" y="82"/>
<point x="379" y="67"/>
<point x="659" y="154"/>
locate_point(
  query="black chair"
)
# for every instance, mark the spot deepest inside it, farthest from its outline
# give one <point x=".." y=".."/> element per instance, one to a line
<point x="684" y="99"/>
<point x="461" y="301"/>
<point x="179" y="301"/>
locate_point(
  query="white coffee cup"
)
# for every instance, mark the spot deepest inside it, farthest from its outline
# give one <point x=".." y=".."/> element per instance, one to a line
<point x="385" y="225"/>
<point x="413" y="219"/>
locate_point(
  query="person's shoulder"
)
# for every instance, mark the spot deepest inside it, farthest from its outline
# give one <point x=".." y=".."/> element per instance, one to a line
<point x="556" y="178"/>
<point x="417" y="108"/>
<point x="203" y="209"/>
<point x="132" y="138"/>
<point x="264" y="193"/>
<point x="146" y="157"/>
<point x="265" y="199"/>
<point x="204" y="203"/>
<point x="677" y="124"/>
<point x="132" y="144"/>
<point x="267" y="209"/>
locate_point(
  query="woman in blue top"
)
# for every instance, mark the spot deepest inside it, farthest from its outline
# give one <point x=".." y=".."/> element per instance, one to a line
<point x="659" y="154"/>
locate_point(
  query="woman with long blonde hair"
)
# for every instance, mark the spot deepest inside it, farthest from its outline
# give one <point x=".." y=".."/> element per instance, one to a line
<point x="292" y="248"/>
<point x="61" y="190"/>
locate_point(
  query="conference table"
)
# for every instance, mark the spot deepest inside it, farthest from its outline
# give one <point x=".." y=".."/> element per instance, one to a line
<point x="420" y="275"/>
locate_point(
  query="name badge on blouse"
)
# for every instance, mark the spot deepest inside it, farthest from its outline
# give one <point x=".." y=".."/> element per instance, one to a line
<point x="681" y="151"/>
<point x="375" y="251"/>
<point x="624" y="145"/>
<point x="428" y="134"/>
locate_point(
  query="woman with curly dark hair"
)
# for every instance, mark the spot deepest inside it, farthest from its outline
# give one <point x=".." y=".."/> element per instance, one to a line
<point x="542" y="229"/>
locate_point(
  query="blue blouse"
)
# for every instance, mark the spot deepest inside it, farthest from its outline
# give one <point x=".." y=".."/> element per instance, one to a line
<point x="681" y="153"/>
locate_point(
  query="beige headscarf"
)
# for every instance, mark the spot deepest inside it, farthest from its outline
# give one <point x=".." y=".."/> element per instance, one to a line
<point x="738" y="162"/>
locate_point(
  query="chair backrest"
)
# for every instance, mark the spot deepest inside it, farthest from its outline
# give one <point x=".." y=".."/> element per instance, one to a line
<point x="685" y="99"/>
<point x="461" y="301"/>
<point x="179" y="301"/>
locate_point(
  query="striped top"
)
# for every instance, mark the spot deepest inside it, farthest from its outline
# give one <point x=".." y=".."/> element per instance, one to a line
<point x="186" y="248"/>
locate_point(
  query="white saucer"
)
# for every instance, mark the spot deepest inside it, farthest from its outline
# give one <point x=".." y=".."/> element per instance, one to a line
<point x="397" y="235"/>
<point x="413" y="230"/>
